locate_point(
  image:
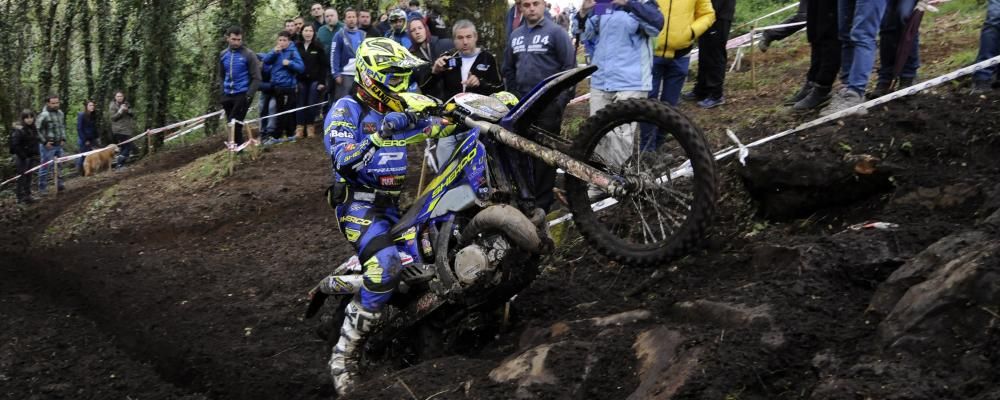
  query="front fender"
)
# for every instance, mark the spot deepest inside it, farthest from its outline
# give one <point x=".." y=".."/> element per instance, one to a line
<point x="546" y="92"/>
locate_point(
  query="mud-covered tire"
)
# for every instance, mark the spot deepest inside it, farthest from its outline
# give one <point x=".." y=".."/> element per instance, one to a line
<point x="703" y="184"/>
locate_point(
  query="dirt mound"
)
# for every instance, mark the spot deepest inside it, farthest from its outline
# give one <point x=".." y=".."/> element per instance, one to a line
<point x="195" y="284"/>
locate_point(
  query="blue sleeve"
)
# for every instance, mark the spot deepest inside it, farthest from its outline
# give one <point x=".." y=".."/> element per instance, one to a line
<point x="567" y="53"/>
<point x="269" y="57"/>
<point x="648" y="14"/>
<point x="335" y="54"/>
<point x="509" y="69"/>
<point x="591" y="30"/>
<point x="295" y="61"/>
<point x="343" y="139"/>
<point x="79" y="128"/>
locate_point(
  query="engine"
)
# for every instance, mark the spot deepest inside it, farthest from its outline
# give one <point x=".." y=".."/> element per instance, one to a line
<point x="477" y="262"/>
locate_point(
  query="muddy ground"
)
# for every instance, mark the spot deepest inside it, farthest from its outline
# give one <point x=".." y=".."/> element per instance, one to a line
<point x="167" y="281"/>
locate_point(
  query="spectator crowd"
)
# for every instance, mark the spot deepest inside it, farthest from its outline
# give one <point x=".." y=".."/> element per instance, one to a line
<point x="643" y="48"/>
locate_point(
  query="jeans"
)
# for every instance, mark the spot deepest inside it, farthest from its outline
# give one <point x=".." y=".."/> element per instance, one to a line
<point x="858" y="26"/>
<point x="308" y="95"/>
<point x="43" y="174"/>
<point x="344" y="88"/>
<point x="615" y="148"/>
<point x="445" y="146"/>
<point x="897" y="15"/>
<point x="989" y="41"/>
<point x="267" y="107"/>
<point x="668" y="78"/>
<point x="124" y="150"/>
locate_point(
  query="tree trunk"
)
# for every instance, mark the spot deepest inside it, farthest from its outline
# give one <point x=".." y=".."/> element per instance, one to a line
<point x="45" y="20"/>
<point x="63" y="50"/>
<point x="87" y="40"/>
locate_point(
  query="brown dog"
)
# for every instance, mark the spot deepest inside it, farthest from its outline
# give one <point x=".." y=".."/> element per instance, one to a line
<point x="100" y="160"/>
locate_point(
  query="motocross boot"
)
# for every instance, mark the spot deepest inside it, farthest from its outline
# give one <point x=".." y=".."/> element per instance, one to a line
<point x="358" y="322"/>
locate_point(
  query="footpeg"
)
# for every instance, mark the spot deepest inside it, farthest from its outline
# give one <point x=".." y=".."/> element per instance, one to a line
<point x="417" y="273"/>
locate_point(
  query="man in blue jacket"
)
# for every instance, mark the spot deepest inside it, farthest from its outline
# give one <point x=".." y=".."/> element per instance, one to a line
<point x="625" y="36"/>
<point x="240" y="73"/>
<point x="285" y="63"/>
<point x="343" y="52"/>
<point x="537" y="49"/>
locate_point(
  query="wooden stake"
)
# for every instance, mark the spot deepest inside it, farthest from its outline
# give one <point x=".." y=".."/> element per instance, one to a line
<point x="753" y="63"/>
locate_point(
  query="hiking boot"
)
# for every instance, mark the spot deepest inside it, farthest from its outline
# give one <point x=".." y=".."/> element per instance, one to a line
<point x="299" y="131"/>
<point x="817" y="97"/>
<point x="904" y="83"/>
<point x="763" y="45"/>
<point x="844" y="99"/>
<point x="691" y="96"/>
<point x="801" y="94"/>
<point x="310" y="130"/>
<point x="881" y="89"/>
<point x="358" y="322"/>
<point x="980" y="88"/>
<point x="711" y="102"/>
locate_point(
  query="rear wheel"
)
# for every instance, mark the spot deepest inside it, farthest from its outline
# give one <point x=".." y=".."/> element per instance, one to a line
<point x="668" y="170"/>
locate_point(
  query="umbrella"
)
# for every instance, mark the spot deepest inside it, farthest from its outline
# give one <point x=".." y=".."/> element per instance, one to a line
<point x="910" y="34"/>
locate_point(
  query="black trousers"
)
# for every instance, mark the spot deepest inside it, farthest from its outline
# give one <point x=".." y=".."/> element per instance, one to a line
<point x="782" y="33"/>
<point x="235" y="106"/>
<point x="544" y="175"/>
<point x="824" y="62"/>
<point x="285" y="99"/>
<point x="712" y="60"/>
<point x="23" y="188"/>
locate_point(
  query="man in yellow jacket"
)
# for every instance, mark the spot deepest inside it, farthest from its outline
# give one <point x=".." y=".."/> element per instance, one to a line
<point x="685" y="21"/>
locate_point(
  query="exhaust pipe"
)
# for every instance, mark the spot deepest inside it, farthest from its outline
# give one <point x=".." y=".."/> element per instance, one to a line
<point x="507" y="220"/>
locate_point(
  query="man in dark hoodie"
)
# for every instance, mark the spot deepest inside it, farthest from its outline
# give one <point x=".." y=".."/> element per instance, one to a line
<point x="240" y="73"/>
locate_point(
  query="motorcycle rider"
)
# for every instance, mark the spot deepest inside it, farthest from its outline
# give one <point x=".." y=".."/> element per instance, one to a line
<point x="365" y="134"/>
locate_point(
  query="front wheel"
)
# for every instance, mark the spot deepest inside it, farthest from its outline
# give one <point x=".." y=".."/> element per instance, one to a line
<point x="669" y="174"/>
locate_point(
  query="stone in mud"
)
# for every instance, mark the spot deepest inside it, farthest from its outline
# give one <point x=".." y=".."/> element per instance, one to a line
<point x="532" y="367"/>
<point x="957" y="302"/>
<point x="790" y="185"/>
<point x="919" y="268"/>
<point x="663" y="370"/>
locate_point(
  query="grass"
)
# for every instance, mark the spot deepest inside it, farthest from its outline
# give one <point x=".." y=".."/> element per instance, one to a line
<point x="210" y="169"/>
<point x="73" y="224"/>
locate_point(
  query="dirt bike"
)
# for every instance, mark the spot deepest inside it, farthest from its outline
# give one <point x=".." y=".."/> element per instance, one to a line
<point x="474" y="238"/>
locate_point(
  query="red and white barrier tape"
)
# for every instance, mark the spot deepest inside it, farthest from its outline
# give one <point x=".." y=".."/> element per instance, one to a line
<point x="743" y="150"/>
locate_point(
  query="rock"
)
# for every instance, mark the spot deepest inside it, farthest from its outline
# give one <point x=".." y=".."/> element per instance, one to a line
<point x="622" y="318"/>
<point x="530" y="366"/>
<point x="957" y="301"/>
<point x="919" y="268"/>
<point x="797" y="184"/>
<point x="938" y="198"/>
<point x="662" y="372"/>
<point x="722" y="314"/>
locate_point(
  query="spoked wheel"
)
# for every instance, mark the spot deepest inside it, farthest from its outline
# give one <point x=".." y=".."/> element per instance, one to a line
<point x="669" y="174"/>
